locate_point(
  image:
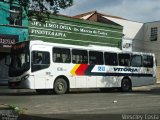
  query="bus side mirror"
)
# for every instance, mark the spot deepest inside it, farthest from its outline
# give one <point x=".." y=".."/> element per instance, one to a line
<point x="7" y="60"/>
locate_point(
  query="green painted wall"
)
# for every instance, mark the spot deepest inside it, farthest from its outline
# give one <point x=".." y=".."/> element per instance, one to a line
<point x="66" y="30"/>
<point x="5" y="13"/>
<point x="20" y="31"/>
<point x="6" y="28"/>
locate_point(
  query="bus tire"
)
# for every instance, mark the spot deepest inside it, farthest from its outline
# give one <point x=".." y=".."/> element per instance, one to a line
<point x="60" y="86"/>
<point x="126" y="85"/>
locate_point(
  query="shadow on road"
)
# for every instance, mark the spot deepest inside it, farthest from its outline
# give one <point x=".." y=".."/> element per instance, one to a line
<point x="154" y="90"/>
<point x="72" y="117"/>
<point x="32" y="117"/>
<point x="151" y="92"/>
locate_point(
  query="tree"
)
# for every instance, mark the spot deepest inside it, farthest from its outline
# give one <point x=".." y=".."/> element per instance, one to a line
<point x="48" y="6"/>
<point x="52" y="6"/>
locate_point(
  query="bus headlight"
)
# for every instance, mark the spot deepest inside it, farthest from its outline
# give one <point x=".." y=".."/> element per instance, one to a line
<point x="25" y="77"/>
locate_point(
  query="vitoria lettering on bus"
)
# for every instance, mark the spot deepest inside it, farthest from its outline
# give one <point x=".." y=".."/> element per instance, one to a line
<point x="126" y="69"/>
<point x="103" y="69"/>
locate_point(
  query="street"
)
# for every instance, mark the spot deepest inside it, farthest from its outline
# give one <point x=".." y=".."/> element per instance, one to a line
<point x="91" y="103"/>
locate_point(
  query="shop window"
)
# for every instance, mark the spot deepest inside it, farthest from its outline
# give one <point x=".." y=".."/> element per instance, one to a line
<point x="153" y="34"/>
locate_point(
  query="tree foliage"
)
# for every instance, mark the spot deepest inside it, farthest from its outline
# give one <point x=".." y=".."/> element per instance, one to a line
<point x="49" y="6"/>
<point x="52" y="6"/>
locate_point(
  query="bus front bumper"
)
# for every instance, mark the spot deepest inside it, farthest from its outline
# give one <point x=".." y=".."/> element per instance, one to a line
<point x="19" y="84"/>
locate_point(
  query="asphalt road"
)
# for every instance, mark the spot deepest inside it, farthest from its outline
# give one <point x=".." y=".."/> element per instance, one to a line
<point x="87" y="104"/>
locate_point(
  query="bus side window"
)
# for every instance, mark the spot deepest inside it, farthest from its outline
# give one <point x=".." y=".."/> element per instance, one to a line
<point x="136" y="61"/>
<point x="110" y="58"/>
<point x="61" y="55"/>
<point x="147" y="61"/>
<point x="79" y="56"/>
<point x="124" y="59"/>
<point x="96" y="57"/>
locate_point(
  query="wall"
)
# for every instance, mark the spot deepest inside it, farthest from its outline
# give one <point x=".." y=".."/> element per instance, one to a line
<point x="4" y="8"/>
<point x="22" y="32"/>
<point x="133" y="33"/>
<point x="153" y="46"/>
<point x="5" y="13"/>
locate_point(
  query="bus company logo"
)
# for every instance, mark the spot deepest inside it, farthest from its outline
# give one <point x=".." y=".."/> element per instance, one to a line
<point x="126" y="69"/>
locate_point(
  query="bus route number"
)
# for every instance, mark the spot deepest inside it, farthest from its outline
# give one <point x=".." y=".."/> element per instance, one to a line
<point x="101" y="68"/>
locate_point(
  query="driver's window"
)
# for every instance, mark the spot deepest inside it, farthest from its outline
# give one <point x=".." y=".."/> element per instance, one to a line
<point x="40" y="60"/>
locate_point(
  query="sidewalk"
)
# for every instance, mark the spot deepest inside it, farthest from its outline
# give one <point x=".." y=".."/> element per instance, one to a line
<point x="155" y="87"/>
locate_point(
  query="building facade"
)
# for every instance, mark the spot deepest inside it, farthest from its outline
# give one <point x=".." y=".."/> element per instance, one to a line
<point x="152" y="41"/>
<point x="68" y="30"/>
<point x="13" y="28"/>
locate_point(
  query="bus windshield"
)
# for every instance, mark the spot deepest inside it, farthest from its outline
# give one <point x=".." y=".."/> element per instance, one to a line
<point x="20" y="59"/>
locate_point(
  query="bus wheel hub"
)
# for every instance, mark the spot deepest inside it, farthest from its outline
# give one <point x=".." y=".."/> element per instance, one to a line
<point x="60" y="86"/>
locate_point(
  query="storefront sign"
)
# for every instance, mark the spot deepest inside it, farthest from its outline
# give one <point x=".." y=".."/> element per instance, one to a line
<point x="72" y="31"/>
<point x="62" y="28"/>
<point x="6" y="41"/>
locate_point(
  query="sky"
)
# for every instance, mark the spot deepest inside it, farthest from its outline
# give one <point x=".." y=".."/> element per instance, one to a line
<point x="135" y="10"/>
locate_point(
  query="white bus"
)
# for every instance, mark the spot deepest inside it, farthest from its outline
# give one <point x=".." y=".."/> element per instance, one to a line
<point x="51" y="66"/>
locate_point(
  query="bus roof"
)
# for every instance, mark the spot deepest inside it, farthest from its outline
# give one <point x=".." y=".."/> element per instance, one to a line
<point x="89" y="47"/>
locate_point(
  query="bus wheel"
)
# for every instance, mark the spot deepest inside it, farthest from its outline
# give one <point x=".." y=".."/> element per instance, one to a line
<point x="60" y="86"/>
<point x="126" y="85"/>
